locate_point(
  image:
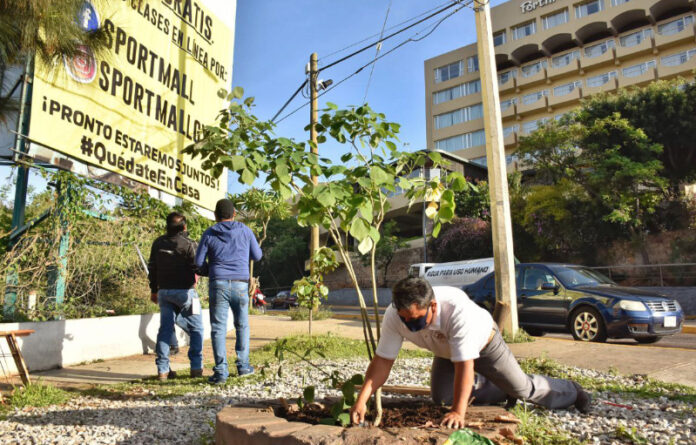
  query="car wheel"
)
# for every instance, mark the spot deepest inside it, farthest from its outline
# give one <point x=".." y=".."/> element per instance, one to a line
<point x="535" y="332"/>
<point x="648" y="340"/>
<point x="586" y="324"/>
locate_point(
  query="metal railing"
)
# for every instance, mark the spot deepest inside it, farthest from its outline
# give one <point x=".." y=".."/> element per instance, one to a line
<point x="669" y="274"/>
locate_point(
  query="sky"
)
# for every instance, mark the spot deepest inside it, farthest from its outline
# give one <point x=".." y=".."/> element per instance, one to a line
<point x="274" y="40"/>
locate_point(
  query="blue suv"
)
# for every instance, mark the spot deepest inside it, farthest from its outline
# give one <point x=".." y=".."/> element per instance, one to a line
<point x="579" y="300"/>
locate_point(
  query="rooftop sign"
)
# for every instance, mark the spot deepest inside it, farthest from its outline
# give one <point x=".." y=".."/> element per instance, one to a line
<point x="531" y="5"/>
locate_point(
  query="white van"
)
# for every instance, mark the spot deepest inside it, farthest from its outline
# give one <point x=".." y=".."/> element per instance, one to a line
<point x="456" y="273"/>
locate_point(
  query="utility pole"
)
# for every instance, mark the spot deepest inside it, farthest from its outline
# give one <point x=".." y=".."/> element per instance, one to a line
<point x="501" y="223"/>
<point x="313" y="118"/>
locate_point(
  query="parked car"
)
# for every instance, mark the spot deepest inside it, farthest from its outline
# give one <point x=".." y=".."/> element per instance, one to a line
<point x="284" y="300"/>
<point x="582" y="301"/>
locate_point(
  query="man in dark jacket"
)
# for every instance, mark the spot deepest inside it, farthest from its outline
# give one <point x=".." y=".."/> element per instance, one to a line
<point x="172" y="281"/>
<point x="228" y="246"/>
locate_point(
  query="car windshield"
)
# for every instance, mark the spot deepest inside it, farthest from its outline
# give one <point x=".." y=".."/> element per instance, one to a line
<point x="579" y="276"/>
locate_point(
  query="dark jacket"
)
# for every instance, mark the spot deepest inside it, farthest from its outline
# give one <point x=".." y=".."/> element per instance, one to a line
<point x="228" y="247"/>
<point x="172" y="262"/>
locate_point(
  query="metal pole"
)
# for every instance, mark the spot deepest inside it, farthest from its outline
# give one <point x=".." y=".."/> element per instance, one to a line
<point x="313" y="118"/>
<point x="20" y="200"/>
<point x="501" y="223"/>
<point x="58" y="276"/>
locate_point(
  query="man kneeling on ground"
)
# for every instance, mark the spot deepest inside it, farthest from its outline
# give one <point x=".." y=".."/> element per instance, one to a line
<point x="465" y="340"/>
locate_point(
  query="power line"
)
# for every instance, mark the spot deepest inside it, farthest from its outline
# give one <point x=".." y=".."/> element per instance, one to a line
<point x="355" y="53"/>
<point x="287" y="102"/>
<point x="388" y="29"/>
<point x="410" y="39"/>
<point x="379" y="46"/>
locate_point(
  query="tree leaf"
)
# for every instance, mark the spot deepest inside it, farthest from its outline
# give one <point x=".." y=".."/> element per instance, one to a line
<point x="308" y="394"/>
<point x="344" y="419"/>
<point x="359" y="229"/>
<point x="379" y="176"/>
<point x="238" y="92"/>
<point x="365" y="245"/>
<point x="247" y="177"/>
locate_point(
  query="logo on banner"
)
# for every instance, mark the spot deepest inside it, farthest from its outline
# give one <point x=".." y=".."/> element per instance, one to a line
<point x="82" y="67"/>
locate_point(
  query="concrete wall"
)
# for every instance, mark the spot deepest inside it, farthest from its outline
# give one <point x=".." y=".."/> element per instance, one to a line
<point x="349" y="297"/>
<point x="62" y="343"/>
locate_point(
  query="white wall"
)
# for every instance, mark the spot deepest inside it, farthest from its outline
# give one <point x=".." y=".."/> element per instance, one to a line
<point x="63" y="343"/>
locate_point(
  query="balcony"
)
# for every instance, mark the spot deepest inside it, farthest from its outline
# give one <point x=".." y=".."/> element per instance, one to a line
<point x="603" y="59"/>
<point x="525" y="82"/>
<point x="509" y="85"/>
<point x="509" y="112"/>
<point x="573" y="96"/>
<point x="648" y="76"/>
<point x="685" y="69"/>
<point x="646" y="46"/>
<point x="510" y="139"/>
<point x="572" y="68"/>
<point x="540" y="104"/>
<point x="665" y="41"/>
<point x="611" y="85"/>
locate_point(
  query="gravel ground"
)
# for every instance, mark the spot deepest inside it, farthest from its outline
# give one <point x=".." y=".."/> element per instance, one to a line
<point x="189" y="419"/>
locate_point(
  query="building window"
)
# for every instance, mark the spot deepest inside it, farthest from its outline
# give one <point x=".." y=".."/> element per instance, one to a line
<point x="458" y="116"/>
<point x="482" y="161"/>
<point x="531" y="98"/>
<point x="638" y="70"/>
<point x="531" y="126"/>
<point x="556" y="19"/>
<point x="566" y="89"/>
<point x="588" y="8"/>
<point x="448" y="72"/>
<point x="524" y="30"/>
<point x="507" y="131"/>
<point x="598" y="49"/>
<point x="618" y="2"/>
<point x="598" y="81"/>
<point x="499" y="38"/>
<point x="461" y="142"/>
<point x="565" y="59"/>
<point x="507" y="75"/>
<point x="505" y="104"/>
<point x="464" y="89"/>
<point x="675" y="26"/>
<point x="679" y="58"/>
<point x="472" y="64"/>
<point x="532" y="69"/>
<point x="635" y="38"/>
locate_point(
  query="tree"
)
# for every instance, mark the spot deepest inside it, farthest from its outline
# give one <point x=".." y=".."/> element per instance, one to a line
<point x="475" y="202"/>
<point x="284" y="253"/>
<point x="615" y="165"/>
<point x="311" y="290"/>
<point x="666" y="112"/>
<point x="386" y="249"/>
<point x="463" y="239"/>
<point x="46" y="29"/>
<point x="350" y="197"/>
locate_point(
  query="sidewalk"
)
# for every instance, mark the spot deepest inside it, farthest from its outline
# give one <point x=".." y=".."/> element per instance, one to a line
<point x="668" y="364"/>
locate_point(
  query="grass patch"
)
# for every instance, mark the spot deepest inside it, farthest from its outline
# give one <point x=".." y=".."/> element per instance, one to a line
<point x="35" y="396"/>
<point x="521" y="337"/>
<point x="302" y="313"/>
<point x="643" y="387"/>
<point x="539" y="430"/>
<point x="631" y="434"/>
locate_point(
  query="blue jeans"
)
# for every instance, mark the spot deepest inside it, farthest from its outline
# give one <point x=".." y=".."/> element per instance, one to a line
<point x="176" y="306"/>
<point x="226" y="294"/>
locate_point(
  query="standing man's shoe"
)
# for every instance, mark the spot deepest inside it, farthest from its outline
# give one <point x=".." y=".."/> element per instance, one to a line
<point x="583" y="401"/>
<point x="174" y="350"/>
<point x="216" y="380"/>
<point x="246" y="371"/>
<point x="196" y="373"/>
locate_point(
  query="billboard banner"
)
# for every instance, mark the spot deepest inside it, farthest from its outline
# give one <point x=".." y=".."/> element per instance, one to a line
<point x="133" y="110"/>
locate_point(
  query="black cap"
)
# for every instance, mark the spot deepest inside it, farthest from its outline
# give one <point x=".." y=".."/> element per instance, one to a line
<point x="224" y="209"/>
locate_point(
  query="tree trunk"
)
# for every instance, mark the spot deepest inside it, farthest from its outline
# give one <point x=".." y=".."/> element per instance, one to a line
<point x="311" y="311"/>
<point x="375" y="297"/>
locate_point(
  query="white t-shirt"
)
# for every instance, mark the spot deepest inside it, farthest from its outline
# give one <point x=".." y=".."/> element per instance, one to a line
<point x="459" y="332"/>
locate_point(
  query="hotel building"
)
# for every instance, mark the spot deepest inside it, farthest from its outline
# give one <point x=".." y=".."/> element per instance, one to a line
<point x="550" y="54"/>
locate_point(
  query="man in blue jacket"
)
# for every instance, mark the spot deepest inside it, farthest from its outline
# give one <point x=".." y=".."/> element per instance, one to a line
<point x="228" y="246"/>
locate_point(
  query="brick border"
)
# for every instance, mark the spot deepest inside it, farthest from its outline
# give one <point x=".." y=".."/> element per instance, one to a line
<point x="258" y="425"/>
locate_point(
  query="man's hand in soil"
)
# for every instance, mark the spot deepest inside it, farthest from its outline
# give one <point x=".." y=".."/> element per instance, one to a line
<point x="453" y="420"/>
<point x="357" y="413"/>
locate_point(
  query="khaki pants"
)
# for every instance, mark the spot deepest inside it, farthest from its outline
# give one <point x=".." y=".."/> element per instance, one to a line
<point x="499" y="376"/>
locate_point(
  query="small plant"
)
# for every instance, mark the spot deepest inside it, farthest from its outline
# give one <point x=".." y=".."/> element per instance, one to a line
<point x="311" y="290"/>
<point x="301" y="313"/>
<point x="38" y="395"/>
<point x="537" y="429"/>
<point x="339" y="410"/>
<point x="521" y="337"/>
<point x="631" y="434"/>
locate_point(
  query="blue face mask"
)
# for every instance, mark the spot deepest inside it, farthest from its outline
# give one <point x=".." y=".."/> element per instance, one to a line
<point x="417" y="324"/>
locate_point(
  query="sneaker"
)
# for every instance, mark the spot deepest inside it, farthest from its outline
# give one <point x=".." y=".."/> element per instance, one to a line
<point x="217" y="380"/>
<point x="583" y="401"/>
<point x="195" y="373"/>
<point x="246" y="371"/>
<point x="174" y="350"/>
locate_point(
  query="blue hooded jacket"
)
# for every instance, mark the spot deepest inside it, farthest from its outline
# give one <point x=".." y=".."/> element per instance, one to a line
<point x="228" y="247"/>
